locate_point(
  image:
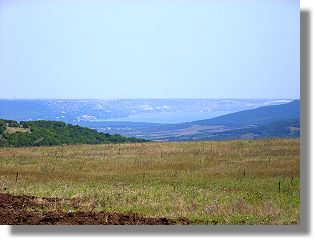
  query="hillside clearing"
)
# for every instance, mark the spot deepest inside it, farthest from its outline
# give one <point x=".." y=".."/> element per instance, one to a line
<point x="11" y="130"/>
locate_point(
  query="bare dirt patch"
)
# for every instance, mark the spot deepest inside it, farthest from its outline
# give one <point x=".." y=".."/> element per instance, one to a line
<point x="14" y="210"/>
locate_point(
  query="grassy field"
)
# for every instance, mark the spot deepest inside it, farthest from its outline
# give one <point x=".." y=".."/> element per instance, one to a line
<point x="214" y="182"/>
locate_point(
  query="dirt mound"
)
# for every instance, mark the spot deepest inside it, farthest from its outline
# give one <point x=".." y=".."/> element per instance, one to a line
<point x="15" y="210"/>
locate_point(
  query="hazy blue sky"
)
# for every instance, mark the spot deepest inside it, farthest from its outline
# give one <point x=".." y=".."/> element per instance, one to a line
<point x="138" y="49"/>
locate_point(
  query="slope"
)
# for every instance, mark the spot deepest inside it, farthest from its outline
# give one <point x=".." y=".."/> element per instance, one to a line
<point x="49" y="133"/>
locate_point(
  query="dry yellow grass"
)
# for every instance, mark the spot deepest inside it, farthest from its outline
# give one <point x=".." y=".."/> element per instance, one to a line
<point x="224" y="182"/>
<point x="11" y="130"/>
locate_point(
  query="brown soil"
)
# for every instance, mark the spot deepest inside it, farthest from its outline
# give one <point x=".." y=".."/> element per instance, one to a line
<point x="16" y="210"/>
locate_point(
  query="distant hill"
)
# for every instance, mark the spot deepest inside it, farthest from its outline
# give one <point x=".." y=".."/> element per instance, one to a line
<point x="264" y="122"/>
<point x="49" y="133"/>
<point x="258" y="116"/>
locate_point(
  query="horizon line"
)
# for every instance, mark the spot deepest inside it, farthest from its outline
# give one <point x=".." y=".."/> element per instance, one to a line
<point x="164" y="98"/>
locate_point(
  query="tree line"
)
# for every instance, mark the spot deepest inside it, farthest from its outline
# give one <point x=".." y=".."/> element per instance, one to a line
<point x="50" y="133"/>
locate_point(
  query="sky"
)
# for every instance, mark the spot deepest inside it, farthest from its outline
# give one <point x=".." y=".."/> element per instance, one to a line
<point x="150" y="49"/>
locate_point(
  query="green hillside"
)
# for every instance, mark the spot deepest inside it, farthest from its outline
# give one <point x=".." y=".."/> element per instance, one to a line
<point x="49" y="133"/>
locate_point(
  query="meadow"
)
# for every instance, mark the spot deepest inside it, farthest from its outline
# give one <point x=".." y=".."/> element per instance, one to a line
<point x="211" y="182"/>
